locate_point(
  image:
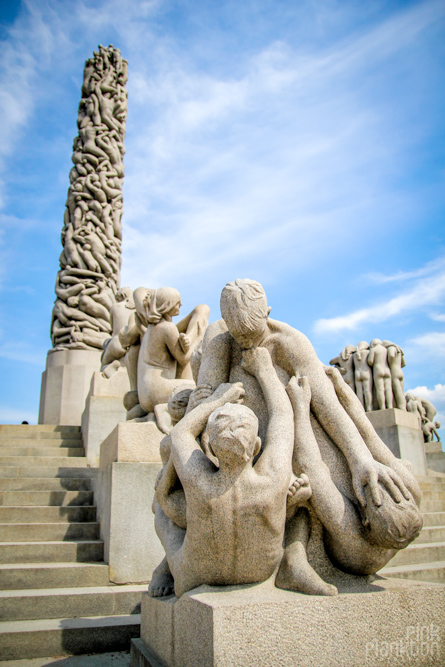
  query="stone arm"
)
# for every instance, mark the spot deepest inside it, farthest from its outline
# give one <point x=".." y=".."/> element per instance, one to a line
<point x="335" y="361"/>
<point x="300" y="357"/>
<point x="216" y="356"/>
<point x="398" y="476"/>
<point x="191" y="464"/>
<point x="130" y="334"/>
<point x="276" y="458"/>
<point x="65" y="293"/>
<point x="175" y="344"/>
<point x="371" y="357"/>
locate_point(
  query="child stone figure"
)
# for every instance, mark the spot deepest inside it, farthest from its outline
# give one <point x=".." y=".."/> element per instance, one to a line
<point x="359" y="539"/>
<point x="235" y="514"/>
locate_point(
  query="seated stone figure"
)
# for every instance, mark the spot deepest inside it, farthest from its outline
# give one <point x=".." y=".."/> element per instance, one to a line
<point x="358" y="539"/>
<point x="235" y="513"/>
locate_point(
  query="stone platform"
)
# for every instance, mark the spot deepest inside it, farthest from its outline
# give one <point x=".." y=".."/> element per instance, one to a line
<point x="123" y="492"/>
<point x="401" y="432"/>
<point x="385" y="622"/>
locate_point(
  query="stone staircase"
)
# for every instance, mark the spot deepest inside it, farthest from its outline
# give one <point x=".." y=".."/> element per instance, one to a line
<point x="424" y="559"/>
<point x="435" y="457"/>
<point x="55" y="594"/>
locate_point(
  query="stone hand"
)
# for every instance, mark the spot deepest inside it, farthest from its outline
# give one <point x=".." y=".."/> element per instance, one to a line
<point x="184" y="342"/>
<point x="199" y="395"/>
<point x="299" y="391"/>
<point x="370" y="474"/>
<point x="334" y="373"/>
<point x="256" y="359"/>
<point x="229" y="393"/>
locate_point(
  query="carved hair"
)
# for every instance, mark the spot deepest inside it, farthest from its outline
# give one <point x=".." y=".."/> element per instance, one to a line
<point x="244" y="303"/>
<point x="363" y="345"/>
<point x="158" y="303"/>
<point x="234" y="420"/>
<point x="347" y="352"/>
<point x="393" y="525"/>
<point x="178" y="401"/>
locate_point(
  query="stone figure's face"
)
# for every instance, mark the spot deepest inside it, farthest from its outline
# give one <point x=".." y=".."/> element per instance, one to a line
<point x="175" y="310"/>
<point x="246" y="338"/>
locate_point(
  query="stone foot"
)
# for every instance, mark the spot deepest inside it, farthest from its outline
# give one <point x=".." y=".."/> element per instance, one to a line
<point x="299" y="492"/>
<point x="162" y="583"/>
<point x="295" y="574"/>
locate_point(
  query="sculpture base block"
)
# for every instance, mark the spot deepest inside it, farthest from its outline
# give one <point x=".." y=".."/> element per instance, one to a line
<point x="389" y="622"/>
<point x="123" y="494"/>
<point x="104" y="409"/>
<point x="401" y="432"/>
<point x="65" y="385"/>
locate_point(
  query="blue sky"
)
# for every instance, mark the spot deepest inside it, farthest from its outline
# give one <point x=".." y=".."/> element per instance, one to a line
<point x="299" y="143"/>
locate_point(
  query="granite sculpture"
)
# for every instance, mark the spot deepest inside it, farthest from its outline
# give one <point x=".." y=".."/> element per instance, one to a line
<point x="90" y="261"/>
<point x="158" y="352"/>
<point x="374" y="372"/>
<point x="275" y="470"/>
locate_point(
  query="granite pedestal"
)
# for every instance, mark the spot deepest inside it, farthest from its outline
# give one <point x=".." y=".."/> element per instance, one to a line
<point x="123" y="493"/>
<point x="65" y="385"/>
<point x="387" y="622"/>
<point x="104" y="409"/>
<point x="401" y="432"/>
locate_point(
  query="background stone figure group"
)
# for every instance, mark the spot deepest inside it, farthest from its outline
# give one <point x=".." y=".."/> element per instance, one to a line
<point x="374" y="372"/>
<point x="91" y="236"/>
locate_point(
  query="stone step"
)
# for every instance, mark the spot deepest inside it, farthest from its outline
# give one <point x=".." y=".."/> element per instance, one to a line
<point x="52" y="444"/>
<point x="433" y="572"/>
<point x="433" y="519"/>
<point x="47" y="514"/>
<point x="432" y="486"/>
<point x="432" y="506"/>
<point x="71" y="636"/>
<point x="78" y="551"/>
<point x="45" y="498"/>
<point x="431" y="534"/>
<point x="51" y="461"/>
<point x="42" y="451"/>
<point x="436" y="461"/>
<point x="419" y="553"/>
<point x="44" y="484"/>
<point x="52" y="575"/>
<point x="40" y="532"/>
<point x="51" y="472"/>
<point x="433" y="447"/>
<point x="38" y="428"/>
<point x="57" y="602"/>
<point x="433" y="477"/>
<point x="432" y="494"/>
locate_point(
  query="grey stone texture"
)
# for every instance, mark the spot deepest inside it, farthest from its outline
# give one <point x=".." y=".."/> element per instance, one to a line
<point x="123" y="492"/>
<point x="90" y="261"/>
<point x="400" y="431"/>
<point x="324" y="480"/>
<point x="104" y="409"/>
<point x="65" y="385"/>
<point x="376" y="622"/>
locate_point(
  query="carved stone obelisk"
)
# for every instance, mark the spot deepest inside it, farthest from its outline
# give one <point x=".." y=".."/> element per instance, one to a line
<point x="90" y="261"/>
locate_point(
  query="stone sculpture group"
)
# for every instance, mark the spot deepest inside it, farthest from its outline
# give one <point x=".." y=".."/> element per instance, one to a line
<point x="374" y="372"/>
<point x="90" y="262"/>
<point x="271" y="467"/>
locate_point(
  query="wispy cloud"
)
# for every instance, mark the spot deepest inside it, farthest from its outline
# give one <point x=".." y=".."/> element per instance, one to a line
<point x="22" y="352"/>
<point x="425" y="292"/>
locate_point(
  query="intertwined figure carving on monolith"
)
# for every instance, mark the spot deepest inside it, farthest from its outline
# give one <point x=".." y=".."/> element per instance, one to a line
<point x="90" y="261"/>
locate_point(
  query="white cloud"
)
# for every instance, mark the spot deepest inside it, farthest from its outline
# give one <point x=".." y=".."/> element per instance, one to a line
<point x="436" y="396"/>
<point x="23" y="352"/>
<point x="424" y="292"/>
<point x="433" y="343"/>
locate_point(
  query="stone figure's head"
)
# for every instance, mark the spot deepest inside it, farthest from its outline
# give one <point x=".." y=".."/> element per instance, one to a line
<point x="244" y="310"/>
<point x="160" y="302"/>
<point x="347" y="352"/>
<point x="178" y="402"/>
<point x="363" y="345"/>
<point x="375" y="342"/>
<point x="436" y="424"/>
<point x="392" y="525"/>
<point x="233" y="434"/>
<point x="124" y="294"/>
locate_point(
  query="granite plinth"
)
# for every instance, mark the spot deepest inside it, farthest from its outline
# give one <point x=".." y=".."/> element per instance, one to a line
<point x="104" y="409"/>
<point x="123" y="493"/>
<point x="387" y="622"/>
<point x="65" y="385"/>
<point x="401" y="432"/>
